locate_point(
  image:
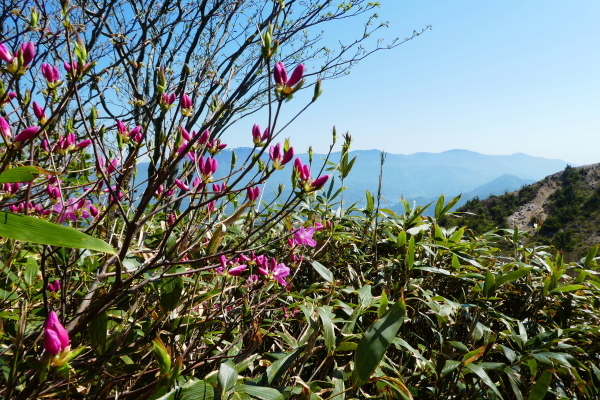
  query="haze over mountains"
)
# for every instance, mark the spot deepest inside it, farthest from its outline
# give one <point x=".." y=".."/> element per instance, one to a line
<point x="419" y="177"/>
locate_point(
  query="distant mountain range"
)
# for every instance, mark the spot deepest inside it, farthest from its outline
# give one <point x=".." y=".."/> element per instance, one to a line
<point x="419" y="177"/>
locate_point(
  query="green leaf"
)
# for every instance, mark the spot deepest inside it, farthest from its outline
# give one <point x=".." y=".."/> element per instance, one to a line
<point x="370" y="202"/>
<point x="35" y="230"/>
<point x="98" y="331"/>
<point x="326" y="316"/>
<point x="337" y="378"/>
<point x="488" y="284"/>
<point x="480" y="372"/>
<point x="450" y="366"/>
<point x="401" y="240"/>
<point x="539" y="390"/>
<point x="194" y="390"/>
<point x="31" y="271"/>
<point x="567" y="288"/>
<point x="279" y="367"/>
<point x="23" y="174"/>
<point x="323" y="271"/>
<point x="410" y="257"/>
<point x="512" y="276"/>
<point x="263" y="393"/>
<point x="171" y="292"/>
<point x="228" y="375"/>
<point x="375" y="342"/>
<point x="439" y="207"/>
<point x="383" y="303"/>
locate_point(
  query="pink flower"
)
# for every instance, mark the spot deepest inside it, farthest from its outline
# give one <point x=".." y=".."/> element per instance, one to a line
<point x="5" y="129"/>
<point x="27" y="134"/>
<point x="320" y="181"/>
<point x="38" y="111"/>
<point x="182" y="185"/>
<point x="304" y="236"/>
<point x="73" y="210"/>
<point x="51" y="73"/>
<point x="28" y="50"/>
<point x="54" y="286"/>
<point x="253" y="193"/>
<point x="275" y="271"/>
<point x="167" y="100"/>
<point x="5" y="54"/>
<point x="187" y="107"/>
<point x="287" y="86"/>
<point x="278" y="157"/>
<point x="56" y="338"/>
<point x="258" y="138"/>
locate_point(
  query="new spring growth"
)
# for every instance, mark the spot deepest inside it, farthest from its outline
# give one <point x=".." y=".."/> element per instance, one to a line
<point x="305" y="182"/>
<point x="162" y="80"/>
<point x="135" y="134"/>
<point x="34" y="17"/>
<point x="54" y="286"/>
<point x="278" y="157"/>
<point x="287" y="86"/>
<point x="259" y="139"/>
<point x="27" y="133"/>
<point x="252" y="193"/>
<point x="166" y="101"/>
<point x="187" y="107"/>
<point x="39" y="113"/>
<point x="56" y="340"/>
<point x="269" y="46"/>
<point x="52" y="75"/>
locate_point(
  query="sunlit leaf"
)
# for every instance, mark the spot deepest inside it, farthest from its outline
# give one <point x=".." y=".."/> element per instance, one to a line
<point x="35" y="230"/>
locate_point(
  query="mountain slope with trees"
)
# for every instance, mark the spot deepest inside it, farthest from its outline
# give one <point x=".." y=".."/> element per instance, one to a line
<point x="561" y="210"/>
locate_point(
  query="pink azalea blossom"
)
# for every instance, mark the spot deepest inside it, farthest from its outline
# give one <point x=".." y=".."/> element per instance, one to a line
<point x="304" y="236"/>
<point x="56" y="338"/>
<point x="54" y="286"/>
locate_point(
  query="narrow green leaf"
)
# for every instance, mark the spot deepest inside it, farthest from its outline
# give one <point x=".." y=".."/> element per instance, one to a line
<point x="370" y="202"/>
<point x="323" y="271"/>
<point x="512" y="276"/>
<point x="22" y="174"/>
<point x="375" y="342"/>
<point x="567" y="288"/>
<point x="171" y="291"/>
<point x="328" y="329"/>
<point x="338" y="381"/>
<point x="228" y="375"/>
<point x="450" y="366"/>
<point x="401" y="240"/>
<point x="279" y="367"/>
<point x="194" y="390"/>
<point x="480" y="372"/>
<point x="487" y="285"/>
<point x="410" y="257"/>
<point x="31" y="271"/>
<point x="383" y="303"/>
<point x="98" y="331"/>
<point x="539" y="390"/>
<point x="35" y="230"/>
<point x="263" y="393"/>
<point x="439" y="207"/>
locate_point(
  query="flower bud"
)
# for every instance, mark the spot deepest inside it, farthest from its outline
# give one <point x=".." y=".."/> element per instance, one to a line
<point x="56" y="338"/>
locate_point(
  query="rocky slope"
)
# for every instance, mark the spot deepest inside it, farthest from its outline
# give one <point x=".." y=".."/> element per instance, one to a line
<point x="562" y="210"/>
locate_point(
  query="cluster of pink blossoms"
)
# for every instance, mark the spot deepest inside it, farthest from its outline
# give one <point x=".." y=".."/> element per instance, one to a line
<point x="266" y="266"/>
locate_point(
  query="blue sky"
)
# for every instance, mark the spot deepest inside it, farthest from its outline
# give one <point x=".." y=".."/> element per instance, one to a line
<point x="496" y="77"/>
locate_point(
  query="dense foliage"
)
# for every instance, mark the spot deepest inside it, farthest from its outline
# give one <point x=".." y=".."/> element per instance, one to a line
<point x="187" y="286"/>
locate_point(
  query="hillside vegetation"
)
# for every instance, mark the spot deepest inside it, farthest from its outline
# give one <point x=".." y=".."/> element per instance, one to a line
<point x="561" y="210"/>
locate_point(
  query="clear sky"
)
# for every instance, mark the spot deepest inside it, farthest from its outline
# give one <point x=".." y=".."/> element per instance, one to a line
<point x="495" y="77"/>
